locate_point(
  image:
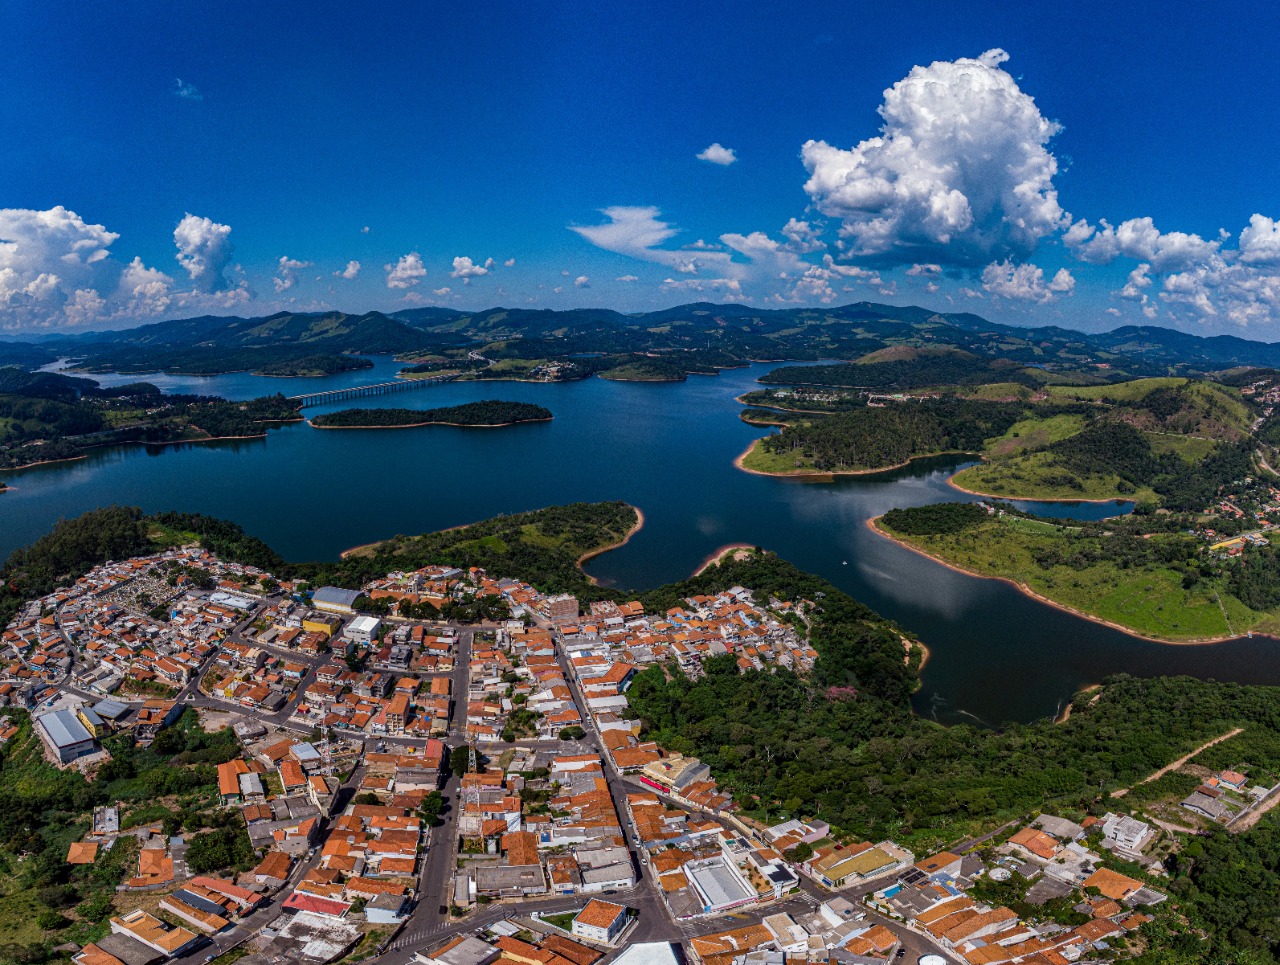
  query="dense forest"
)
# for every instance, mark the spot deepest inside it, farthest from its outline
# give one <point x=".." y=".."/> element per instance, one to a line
<point x="490" y="412"/>
<point x="48" y="416"/>
<point x="950" y="368"/>
<point x="875" y="437"/>
<point x="312" y="365"/>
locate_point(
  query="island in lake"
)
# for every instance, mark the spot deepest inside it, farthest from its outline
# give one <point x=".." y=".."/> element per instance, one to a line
<point x="487" y="414"/>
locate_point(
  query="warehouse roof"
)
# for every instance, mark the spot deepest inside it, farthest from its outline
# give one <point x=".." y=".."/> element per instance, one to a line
<point x="64" y="728"/>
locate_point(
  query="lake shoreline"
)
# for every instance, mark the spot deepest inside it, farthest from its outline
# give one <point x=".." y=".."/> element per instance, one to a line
<point x="719" y="555"/>
<point x="951" y="481"/>
<point x="143" y="442"/>
<point x="823" y="475"/>
<point x="588" y="556"/>
<point x="1041" y="598"/>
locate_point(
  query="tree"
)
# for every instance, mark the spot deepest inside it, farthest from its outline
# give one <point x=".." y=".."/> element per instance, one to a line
<point x="366" y="797"/>
<point x="431" y="807"/>
<point x="572" y="733"/>
<point x="460" y="759"/>
<point x="799" y="853"/>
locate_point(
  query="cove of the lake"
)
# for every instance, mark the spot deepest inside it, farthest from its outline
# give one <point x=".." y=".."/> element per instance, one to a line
<point x="668" y="448"/>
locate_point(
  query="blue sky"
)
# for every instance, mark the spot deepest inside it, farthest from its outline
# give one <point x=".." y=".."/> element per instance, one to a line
<point x="489" y="134"/>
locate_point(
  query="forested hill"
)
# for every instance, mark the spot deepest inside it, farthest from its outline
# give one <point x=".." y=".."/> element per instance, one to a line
<point x="677" y="337"/>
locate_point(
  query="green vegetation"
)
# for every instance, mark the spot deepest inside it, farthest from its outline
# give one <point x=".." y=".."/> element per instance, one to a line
<point x="1139" y="572"/>
<point x="543" y="547"/>
<point x="912" y="371"/>
<point x="46" y="417"/>
<point x="803" y="399"/>
<point x="43" y="900"/>
<point x="314" y="365"/>
<point x="487" y="413"/>
<point x="877" y="438"/>
<point x="646" y="370"/>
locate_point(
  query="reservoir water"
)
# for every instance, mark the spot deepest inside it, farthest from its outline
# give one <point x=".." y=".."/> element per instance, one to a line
<point x="996" y="655"/>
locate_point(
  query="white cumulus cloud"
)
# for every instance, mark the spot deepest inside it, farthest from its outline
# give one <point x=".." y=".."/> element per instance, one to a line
<point x="960" y="174"/>
<point x="1260" y="242"/>
<point x="1025" y="282"/>
<point x="350" y="272"/>
<point x="582" y="281"/>
<point x="204" y="250"/>
<point x="716" y="154"/>
<point x="1140" y="239"/>
<point x="288" y="269"/>
<point x="406" y="272"/>
<point x="466" y="269"/>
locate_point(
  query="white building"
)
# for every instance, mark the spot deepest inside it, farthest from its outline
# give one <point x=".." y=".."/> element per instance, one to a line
<point x="1126" y="833"/>
<point x="600" y="921"/>
<point x="363" y="629"/>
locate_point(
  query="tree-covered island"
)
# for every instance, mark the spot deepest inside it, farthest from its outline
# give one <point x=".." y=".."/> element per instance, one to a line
<point x="489" y="413"/>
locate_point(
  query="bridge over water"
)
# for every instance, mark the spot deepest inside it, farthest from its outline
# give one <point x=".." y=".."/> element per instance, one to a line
<point x="361" y="391"/>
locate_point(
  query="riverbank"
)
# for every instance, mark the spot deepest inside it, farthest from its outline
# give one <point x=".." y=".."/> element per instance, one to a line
<point x="872" y="524"/>
<point x="823" y="475"/>
<point x="601" y="550"/>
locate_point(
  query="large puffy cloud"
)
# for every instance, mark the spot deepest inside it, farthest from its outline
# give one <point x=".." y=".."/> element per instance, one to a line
<point x="204" y="250"/>
<point x="1260" y="242"/>
<point x="407" y="272"/>
<point x="961" y="173"/>
<point x="144" y="291"/>
<point x="1025" y="282"/>
<point x="56" y="270"/>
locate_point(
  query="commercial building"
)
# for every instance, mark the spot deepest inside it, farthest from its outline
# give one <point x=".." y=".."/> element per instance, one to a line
<point x="363" y="629"/>
<point x="65" y="736"/>
<point x="335" y="600"/>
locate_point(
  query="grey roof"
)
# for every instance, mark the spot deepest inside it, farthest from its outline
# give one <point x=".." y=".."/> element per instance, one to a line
<point x="128" y="950"/>
<point x="64" y="728"/>
<point x="335" y="596"/>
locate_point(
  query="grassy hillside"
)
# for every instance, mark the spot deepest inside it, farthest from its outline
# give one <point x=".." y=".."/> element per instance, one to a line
<point x="1155" y="584"/>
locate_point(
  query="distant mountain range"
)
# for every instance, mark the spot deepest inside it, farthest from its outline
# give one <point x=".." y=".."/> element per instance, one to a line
<point x="701" y="333"/>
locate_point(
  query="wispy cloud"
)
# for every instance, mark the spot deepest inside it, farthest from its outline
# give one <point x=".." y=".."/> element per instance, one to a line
<point x="186" y="90"/>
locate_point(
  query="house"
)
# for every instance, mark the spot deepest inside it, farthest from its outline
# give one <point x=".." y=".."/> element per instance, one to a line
<point x="600" y="921"/>
<point x="273" y="870"/>
<point x="1112" y="884"/>
<point x="1126" y="833"/>
<point x="459" y="950"/>
<point x="169" y="941"/>
<point x="387" y="909"/>
<point x="82" y="852"/>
